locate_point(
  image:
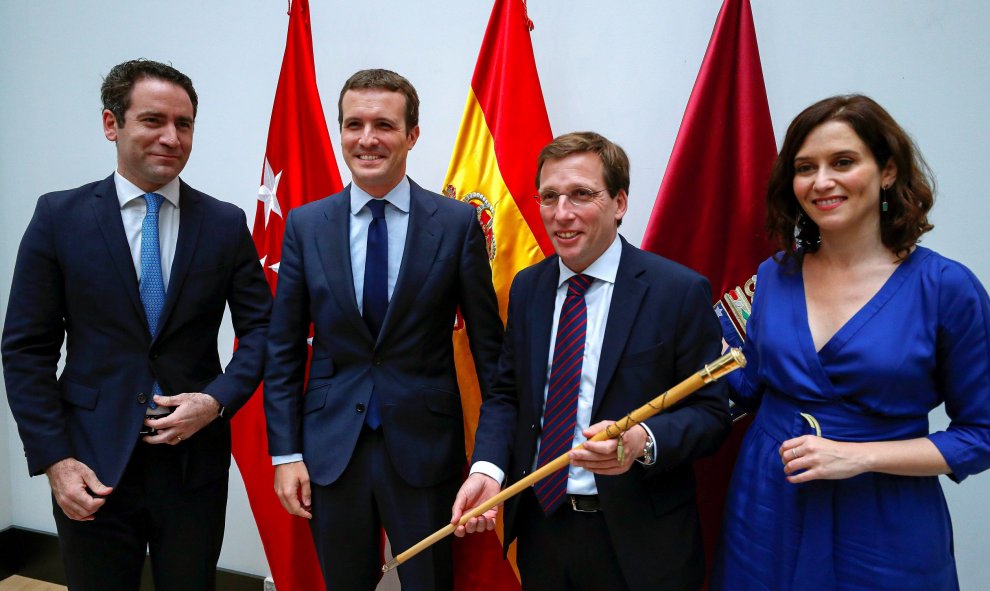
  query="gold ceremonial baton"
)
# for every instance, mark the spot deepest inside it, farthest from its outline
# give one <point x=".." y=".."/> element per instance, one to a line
<point x="729" y="362"/>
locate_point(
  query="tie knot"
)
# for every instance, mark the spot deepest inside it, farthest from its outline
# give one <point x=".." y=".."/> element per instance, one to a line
<point x="578" y="284"/>
<point x="154" y="202"/>
<point x="377" y="207"/>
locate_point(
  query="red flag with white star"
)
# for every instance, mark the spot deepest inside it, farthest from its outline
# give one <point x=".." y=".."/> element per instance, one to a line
<point x="299" y="167"/>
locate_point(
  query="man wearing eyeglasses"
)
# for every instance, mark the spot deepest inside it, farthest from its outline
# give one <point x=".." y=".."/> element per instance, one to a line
<point x="593" y="333"/>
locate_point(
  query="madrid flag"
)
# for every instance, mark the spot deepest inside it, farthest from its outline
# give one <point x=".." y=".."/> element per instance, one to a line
<point x="493" y="168"/>
<point x="709" y="213"/>
<point x="299" y="167"/>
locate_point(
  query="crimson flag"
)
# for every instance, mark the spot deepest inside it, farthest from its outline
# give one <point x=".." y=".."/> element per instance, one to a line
<point x="299" y="167"/>
<point x="709" y="213"/>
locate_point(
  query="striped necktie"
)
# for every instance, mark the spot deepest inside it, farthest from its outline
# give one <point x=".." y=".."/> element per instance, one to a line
<point x="560" y="411"/>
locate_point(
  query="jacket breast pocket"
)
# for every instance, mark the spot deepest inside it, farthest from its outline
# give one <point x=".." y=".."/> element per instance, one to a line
<point x="79" y="395"/>
<point x="651" y="355"/>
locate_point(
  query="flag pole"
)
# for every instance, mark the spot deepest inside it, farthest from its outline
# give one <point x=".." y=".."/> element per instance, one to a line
<point x="729" y="362"/>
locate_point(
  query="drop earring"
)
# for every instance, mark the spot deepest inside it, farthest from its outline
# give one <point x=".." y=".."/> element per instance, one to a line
<point x="883" y="197"/>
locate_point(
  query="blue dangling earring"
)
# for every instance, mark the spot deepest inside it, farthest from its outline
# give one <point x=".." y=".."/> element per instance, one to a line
<point x="883" y="196"/>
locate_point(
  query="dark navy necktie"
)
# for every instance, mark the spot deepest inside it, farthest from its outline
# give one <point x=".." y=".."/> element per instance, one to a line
<point x="375" y="302"/>
<point x="560" y="410"/>
<point x="152" y="285"/>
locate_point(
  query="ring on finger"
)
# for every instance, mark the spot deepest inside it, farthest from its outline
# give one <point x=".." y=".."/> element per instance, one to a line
<point x="794" y="455"/>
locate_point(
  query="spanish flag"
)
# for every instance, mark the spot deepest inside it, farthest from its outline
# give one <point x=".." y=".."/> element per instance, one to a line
<point x="493" y="168"/>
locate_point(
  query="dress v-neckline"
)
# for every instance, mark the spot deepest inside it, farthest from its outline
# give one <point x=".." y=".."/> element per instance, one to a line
<point x="861" y="316"/>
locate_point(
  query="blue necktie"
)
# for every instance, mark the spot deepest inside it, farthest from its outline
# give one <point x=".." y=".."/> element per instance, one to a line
<point x="375" y="287"/>
<point x="152" y="285"/>
<point x="560" y="410"/>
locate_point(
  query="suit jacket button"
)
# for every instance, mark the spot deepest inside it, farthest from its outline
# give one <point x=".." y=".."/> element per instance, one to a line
<point x="359" y="407"/>
<point x="377" y="361"/>
<point x="154" y="354"/>
<point x="142" y="398"/>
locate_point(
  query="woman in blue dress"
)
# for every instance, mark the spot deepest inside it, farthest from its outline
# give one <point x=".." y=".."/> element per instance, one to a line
<point x="856" y="334"/>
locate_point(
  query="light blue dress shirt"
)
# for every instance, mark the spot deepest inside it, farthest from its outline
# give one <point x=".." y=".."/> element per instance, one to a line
<point x="397" y="220"/>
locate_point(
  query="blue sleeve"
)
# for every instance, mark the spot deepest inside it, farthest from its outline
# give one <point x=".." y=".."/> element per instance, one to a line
<point x="963" y="371"/>
<point x="745" y="389"/>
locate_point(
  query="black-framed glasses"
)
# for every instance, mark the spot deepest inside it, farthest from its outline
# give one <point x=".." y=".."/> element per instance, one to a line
<point x="578" y="197"/>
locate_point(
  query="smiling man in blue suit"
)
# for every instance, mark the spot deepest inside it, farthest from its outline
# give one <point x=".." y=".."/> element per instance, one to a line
<point x="375" y="438"/>
<point x="594" y="332"/>
<point x="134" y="272"/>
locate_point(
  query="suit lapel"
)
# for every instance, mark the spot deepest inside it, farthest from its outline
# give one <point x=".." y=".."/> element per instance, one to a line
<point x="106" y="209"/>
<point x="422" y="242"/>
<point x="190" y="228"/>
<point x="333" y="242"/>
<point x="627" y="298"/>
<point x="541" y="305"/>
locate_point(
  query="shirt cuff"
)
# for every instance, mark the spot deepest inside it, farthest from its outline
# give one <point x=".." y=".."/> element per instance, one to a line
<point x="649" y="433"/>
<point x="490" y="470"/>
<point x="279" y="460"/>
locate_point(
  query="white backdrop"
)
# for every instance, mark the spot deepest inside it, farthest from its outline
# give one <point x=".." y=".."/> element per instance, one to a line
<point x="624" y="69"/>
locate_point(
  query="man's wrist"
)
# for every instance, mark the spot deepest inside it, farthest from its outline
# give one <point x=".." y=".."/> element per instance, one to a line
<point x="221" y="409"/>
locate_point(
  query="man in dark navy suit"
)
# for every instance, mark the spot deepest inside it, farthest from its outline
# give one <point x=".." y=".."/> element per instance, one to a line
<point x="375" y="437"/>
<point x="594" y="332"/>
<point x="134" y="272"/>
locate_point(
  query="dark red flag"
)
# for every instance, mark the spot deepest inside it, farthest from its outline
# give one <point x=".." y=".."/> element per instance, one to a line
<point x="709" y="213"/>
<point x="299" y="167"/>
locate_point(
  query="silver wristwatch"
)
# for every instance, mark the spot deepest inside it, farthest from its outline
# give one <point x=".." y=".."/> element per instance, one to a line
<point x="649" y="451"/>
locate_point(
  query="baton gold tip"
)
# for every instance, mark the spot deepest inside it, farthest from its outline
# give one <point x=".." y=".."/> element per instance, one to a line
<point x="390" y="565"/>
<point x="731" y="360"/>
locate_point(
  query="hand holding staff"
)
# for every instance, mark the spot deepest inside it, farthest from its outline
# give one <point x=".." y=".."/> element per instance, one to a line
<point x="731" y="361"/>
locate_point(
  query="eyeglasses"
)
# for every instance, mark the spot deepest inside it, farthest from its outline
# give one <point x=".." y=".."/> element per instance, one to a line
<point x="578" y="197"/>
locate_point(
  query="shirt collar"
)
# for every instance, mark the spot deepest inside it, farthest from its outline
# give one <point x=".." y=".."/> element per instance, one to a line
<point x="605" y="267"/>
<point x="128" y="191"/>
<point x="398" y="197"/>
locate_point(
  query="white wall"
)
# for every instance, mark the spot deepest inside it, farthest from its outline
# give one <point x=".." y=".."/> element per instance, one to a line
<point x="624" y="69"/>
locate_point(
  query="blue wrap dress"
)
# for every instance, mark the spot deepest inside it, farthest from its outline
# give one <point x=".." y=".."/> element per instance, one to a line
<point x="922" y="340"/>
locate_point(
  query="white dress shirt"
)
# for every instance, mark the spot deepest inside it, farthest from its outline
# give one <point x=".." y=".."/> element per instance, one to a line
<point x="133" y="208"/>
<point x="598" y="301"/>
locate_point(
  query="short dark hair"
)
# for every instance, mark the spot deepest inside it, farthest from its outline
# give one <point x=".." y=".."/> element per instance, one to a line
<point x="386" y="80"/>
<point x="119" y="83"/>
<point x="909" y="198"/>
<point x="615" y="163"/>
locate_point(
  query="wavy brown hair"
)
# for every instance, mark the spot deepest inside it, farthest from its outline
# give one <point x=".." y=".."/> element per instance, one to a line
<point x="909" y="198"/>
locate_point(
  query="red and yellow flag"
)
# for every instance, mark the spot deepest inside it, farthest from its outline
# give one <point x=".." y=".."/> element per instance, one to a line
<point x="299" y="167"/>
<point x="493" y="168"/>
